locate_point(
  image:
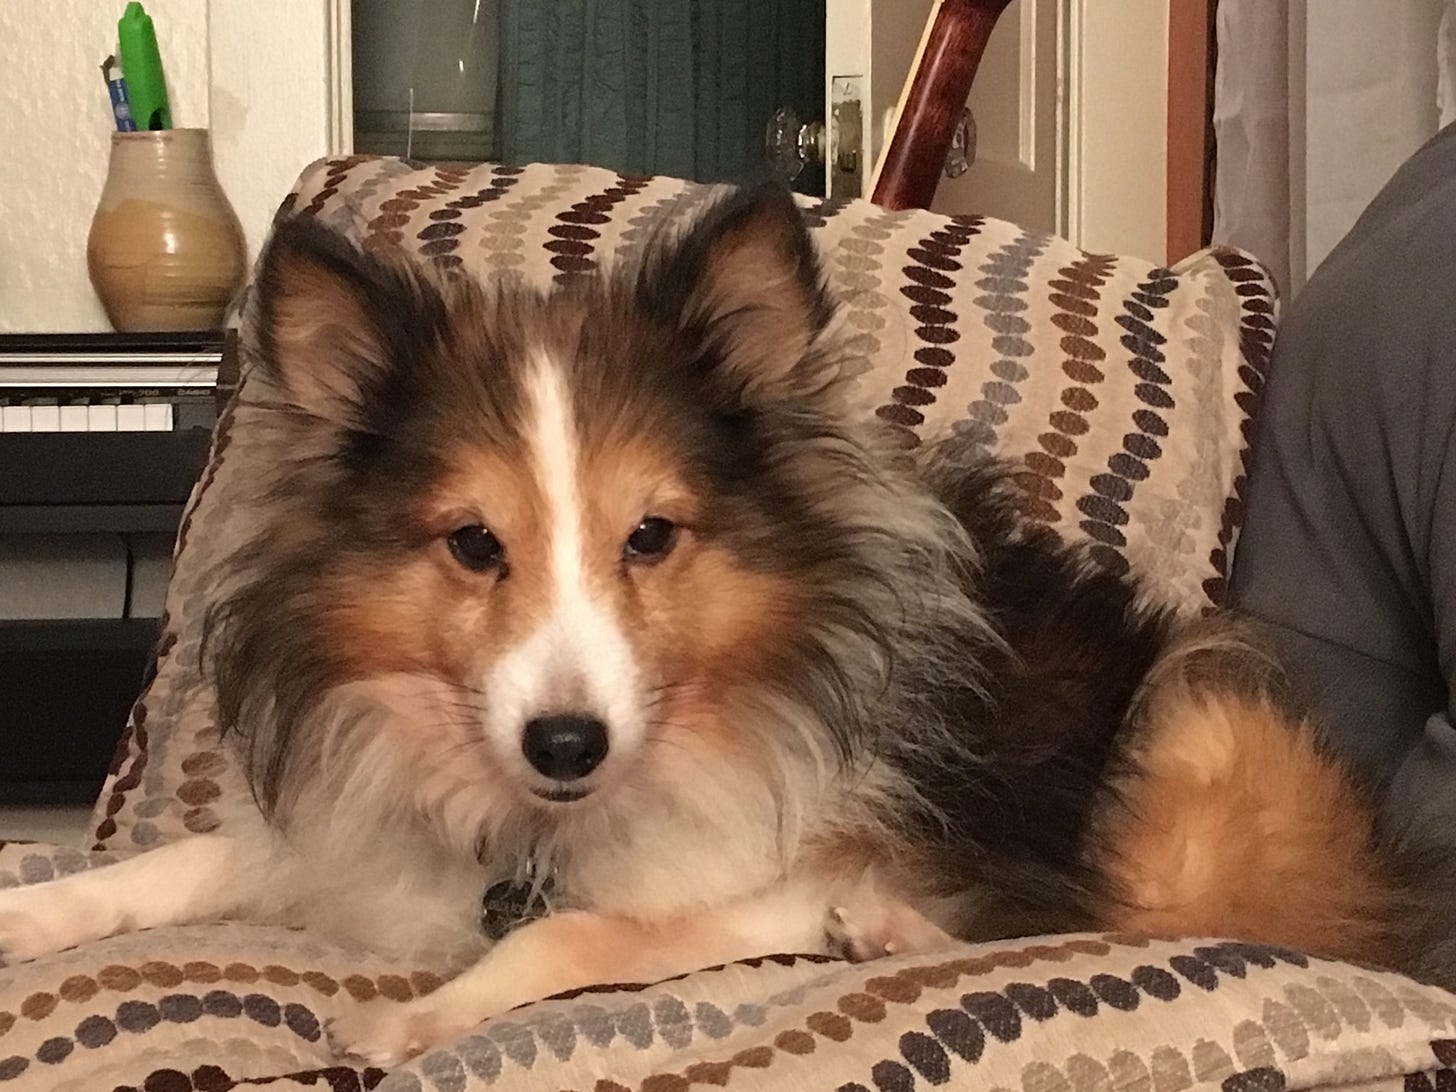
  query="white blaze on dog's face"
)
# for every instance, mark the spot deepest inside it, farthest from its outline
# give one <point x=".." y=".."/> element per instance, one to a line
<point x="597" y="609"/>
<point x="566" y="702"/>
<point x="567" y="521"/>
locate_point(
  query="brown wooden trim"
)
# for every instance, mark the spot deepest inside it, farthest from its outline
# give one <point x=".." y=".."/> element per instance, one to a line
<point x="1191" y="44"/>
<point x="931" y="104"/>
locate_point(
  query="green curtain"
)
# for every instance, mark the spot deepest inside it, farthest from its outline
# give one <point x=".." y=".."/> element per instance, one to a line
<point x="676" y="87"/>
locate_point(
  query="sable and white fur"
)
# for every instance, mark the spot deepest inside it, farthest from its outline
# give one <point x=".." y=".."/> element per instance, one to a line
<point x="851" y="700"/>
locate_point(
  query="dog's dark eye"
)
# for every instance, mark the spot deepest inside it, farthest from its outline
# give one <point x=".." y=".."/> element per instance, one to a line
<point x="476" y="548"/>
<point x="653" y="539"/>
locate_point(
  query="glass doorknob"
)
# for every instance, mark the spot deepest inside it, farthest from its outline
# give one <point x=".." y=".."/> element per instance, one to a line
<point x="791" y="144"/>
<point x="962" y="146"/>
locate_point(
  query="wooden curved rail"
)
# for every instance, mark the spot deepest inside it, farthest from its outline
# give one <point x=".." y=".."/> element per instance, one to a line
<point x="934" y="97"/>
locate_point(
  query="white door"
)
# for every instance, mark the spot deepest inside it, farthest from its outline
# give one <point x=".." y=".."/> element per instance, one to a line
<point x="1015" y="174"/>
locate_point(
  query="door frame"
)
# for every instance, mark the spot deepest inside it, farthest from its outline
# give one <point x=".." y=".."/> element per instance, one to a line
<point x="341" y="77"/>
<point x="1192" y="47"/>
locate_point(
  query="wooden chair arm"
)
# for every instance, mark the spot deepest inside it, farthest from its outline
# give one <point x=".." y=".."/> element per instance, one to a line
<point x="931" y="104"/>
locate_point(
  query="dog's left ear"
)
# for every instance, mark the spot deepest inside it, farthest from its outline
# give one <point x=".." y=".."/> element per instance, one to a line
<point x="745" y="282"/>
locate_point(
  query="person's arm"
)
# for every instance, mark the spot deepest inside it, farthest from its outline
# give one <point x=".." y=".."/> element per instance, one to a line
<point x="1346" y="551"/>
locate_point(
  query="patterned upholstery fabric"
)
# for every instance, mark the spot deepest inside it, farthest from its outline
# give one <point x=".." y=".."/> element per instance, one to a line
<point x="217" y="1007"/>
<point x="1122" y="394"/>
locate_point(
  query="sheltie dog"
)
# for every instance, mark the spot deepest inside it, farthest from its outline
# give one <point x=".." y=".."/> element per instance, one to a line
<point x="602" y="607"/>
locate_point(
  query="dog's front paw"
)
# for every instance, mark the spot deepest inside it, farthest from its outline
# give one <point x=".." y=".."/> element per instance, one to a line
<point x="872" y="928"/>
<point x="385" y="1034"/>
<point x="32" y="925"/>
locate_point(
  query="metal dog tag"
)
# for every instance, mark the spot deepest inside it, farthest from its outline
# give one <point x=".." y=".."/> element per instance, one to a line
<point x="509" y="904"/>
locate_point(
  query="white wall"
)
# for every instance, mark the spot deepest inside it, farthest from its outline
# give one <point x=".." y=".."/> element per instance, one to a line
<point x="256" y="71"/>
<point x="271" y="103"/>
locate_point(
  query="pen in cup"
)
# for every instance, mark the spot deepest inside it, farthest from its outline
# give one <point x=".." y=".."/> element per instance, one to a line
<point x="120" y="102"/>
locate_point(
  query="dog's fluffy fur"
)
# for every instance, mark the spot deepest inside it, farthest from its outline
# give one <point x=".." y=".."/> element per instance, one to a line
<point x="852" y="700"/>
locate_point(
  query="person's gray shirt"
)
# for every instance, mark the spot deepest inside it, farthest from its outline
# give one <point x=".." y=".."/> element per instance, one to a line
<point x="1348" y="550"/>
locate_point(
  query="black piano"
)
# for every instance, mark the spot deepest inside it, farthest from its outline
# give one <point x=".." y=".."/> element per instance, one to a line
<point x="101" y="439"/>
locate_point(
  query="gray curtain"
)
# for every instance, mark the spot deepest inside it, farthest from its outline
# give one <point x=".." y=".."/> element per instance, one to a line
<point x="676" y="87"/>
<point x="1316" y="103"/>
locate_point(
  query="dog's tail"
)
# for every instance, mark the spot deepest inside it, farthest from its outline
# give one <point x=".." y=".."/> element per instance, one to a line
<point x="1234" y="819"/>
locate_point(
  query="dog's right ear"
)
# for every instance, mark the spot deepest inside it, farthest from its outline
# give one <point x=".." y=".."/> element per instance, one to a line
<point x="336" y="323"/>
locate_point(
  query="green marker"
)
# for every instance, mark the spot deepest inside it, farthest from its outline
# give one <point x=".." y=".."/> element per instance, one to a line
<point x="141" y="64"/>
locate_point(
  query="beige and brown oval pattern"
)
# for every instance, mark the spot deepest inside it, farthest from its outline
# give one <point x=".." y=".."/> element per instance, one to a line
<point x="230" y="1006"/>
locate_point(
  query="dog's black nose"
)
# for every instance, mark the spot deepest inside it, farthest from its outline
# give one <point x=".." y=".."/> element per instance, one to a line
<point x="565" y="746"/>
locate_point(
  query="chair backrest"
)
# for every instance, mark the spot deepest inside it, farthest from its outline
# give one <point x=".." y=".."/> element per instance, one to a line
<point x="1121" y="393"/>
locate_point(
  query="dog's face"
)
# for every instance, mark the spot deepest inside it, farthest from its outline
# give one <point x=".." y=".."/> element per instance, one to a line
<point x="571" y="533"/>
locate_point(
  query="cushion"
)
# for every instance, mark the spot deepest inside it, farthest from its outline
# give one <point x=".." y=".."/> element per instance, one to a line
<point x="217" y="1007"/>
<point x="1121" y="392"/>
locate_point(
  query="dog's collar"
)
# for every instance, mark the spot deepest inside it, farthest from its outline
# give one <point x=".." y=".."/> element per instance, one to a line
<point x="509" y="904"/>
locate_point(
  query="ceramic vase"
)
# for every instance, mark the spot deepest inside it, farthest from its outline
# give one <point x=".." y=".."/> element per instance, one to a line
<point x="166" y="251"/>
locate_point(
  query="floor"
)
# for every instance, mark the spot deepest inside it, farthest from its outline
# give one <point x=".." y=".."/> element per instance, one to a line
<point x="60" y="825"/>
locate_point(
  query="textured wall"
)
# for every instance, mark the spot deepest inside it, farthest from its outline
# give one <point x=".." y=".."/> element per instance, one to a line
<point x="55" y="124"/>
<point x="270" y="101"/>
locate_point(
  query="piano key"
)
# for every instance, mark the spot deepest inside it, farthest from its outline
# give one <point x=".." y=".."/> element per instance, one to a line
<point x="74" y="417"/>
<point x="45" y="417"/>
<point x="101" y="417"/>
<point x="14" y="418"/>
<point x="131" y="417"/>
<point x="158" y="416"/>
